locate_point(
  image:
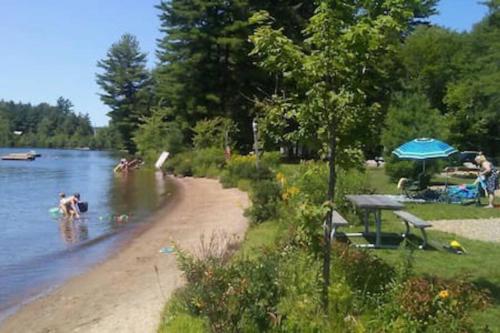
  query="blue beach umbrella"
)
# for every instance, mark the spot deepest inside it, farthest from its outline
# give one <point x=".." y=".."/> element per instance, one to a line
<point x="423" y="149"/>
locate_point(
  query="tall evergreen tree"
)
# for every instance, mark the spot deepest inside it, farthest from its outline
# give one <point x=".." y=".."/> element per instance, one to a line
<point x="204" y="69"/>
<point x="125" y="82"/>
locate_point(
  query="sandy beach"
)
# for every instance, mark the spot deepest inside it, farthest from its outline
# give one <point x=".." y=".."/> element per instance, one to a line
<point x="127" y="292"/>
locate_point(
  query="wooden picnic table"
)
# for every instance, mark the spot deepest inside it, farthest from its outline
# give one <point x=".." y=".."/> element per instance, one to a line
<point x="373" y="203"/>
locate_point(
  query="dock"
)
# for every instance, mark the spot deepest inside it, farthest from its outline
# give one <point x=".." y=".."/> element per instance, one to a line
<point x="19" y="157"/>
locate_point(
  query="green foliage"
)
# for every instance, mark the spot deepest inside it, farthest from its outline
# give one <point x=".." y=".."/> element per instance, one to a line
<point x="180" y="164"/>
<point x="410" y="116"/>
<point x="208" y="162"/>
<point x="204" y="69"/>
<point x="432" y="304"/>
<point x="107" y="138"/>
<point x="44" y="125"/>
<point x="177" y="319"/>
<point x="244" y="167"/>
<point x="156" y="135"/>
<point x="364" y="272"/>
<point x="265" y="196"/>
<point x="217" y="132"/>
<point x="430" y="56"/>
<point x="311" y="180"/>
<point x="200" y="163"/>
<point x="183" y="323"/>
<point x="125" y="82"/>
<point x="230" y="295"/>
<point x="5" y="132"/>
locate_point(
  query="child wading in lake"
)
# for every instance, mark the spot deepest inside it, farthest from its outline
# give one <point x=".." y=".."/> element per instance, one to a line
<point x="69" y="205"/>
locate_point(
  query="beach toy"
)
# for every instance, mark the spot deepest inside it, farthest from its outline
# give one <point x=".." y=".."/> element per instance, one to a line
<point x="167" y="250"/>
<point x="455" y="247"/>
<point x="55" y="212"/>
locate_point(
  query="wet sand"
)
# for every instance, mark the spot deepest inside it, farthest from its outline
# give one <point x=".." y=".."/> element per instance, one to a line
<point x="127" y="292"/>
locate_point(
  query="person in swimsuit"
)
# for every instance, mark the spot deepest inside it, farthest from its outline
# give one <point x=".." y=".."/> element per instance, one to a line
<point x="69" y="205"/>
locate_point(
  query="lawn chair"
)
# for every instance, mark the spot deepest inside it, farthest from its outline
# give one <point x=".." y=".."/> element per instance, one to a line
<point x="464" y="194"/>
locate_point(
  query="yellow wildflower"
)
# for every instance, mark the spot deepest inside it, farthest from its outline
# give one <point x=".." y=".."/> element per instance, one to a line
<point x="280" y="177"/>
<point x="444" y="294"/>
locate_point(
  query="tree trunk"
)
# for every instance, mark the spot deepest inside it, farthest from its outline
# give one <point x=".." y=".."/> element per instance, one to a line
<point x="332" y="178"/>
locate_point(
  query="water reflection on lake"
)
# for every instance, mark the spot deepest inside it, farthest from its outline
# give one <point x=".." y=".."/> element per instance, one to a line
<point x="38" y="251"/>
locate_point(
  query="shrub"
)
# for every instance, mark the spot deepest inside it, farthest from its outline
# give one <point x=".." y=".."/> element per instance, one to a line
<point x="432" y="304"/>
<point x="300" y="308"/>
<point x="208" y="162"/>
<point x="265" y="197"/>
<point x="244" y="167"/>
<point x="230" y="294"/>
<point x="426" y="297"/>
<point x="180" y="164"/>
<point x="364" y="272"/>
<point x="312" y="182"/>
<point x="216" y="132"/>
<point x="201" y="163"/>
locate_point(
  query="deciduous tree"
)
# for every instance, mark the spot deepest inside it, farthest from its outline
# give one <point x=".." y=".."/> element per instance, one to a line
<point x="333" y="72"/>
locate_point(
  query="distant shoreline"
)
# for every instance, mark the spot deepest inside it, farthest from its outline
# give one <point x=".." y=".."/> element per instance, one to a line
<point x="127" y="292"/>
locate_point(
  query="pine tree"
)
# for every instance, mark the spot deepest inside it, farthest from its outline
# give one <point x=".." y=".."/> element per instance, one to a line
<point x="204" y="70"/>
<point x="125" y="82"/>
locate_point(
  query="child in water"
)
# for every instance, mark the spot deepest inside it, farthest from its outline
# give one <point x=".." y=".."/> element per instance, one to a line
<point x="69" y="205"/>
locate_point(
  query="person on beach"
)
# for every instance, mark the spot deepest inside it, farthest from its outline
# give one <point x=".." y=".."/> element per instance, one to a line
<point x="490" y="175"/>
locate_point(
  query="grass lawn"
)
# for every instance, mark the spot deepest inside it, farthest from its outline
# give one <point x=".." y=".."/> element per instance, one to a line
<point x="480" y="264"/>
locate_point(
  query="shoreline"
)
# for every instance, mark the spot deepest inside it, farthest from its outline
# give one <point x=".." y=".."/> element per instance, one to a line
<point x="127" y="291"/>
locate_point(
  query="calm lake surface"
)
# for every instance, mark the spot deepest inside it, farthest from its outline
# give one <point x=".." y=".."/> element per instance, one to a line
<point x="38" y="251"/>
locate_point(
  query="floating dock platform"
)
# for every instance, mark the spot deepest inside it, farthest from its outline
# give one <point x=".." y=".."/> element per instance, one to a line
<point x="19" y="157"/>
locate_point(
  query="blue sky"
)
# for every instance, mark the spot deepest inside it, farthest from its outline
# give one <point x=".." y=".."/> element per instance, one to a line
<point x="50" y="48"/>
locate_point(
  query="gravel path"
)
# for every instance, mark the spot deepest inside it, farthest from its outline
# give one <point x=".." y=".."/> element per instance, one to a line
<point x="481" y="229"/>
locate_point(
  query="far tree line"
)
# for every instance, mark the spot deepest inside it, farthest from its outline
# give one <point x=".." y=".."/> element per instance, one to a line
<point x="51" y="126"/>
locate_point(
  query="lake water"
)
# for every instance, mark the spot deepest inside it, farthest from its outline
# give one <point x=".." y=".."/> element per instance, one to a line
<point x="38" y="251"/>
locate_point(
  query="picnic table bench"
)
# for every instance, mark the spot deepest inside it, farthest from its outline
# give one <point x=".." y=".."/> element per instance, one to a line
<point x="416" y="222"/>
<point x="373" y="204"/>
<point x="337" y="221"/>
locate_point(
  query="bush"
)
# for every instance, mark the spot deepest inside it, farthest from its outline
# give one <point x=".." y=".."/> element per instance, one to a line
<point x="425" y="297"/>
<point x="216" y="132"/>
<point x="363" y="271"/>
<point x="312" y="182"/>
<point x="432" y="304"/>
<point x="180" y="164"/>
<point x="201" y="163"/>
<point x="230" y="295"/>
<point x="265" y="197"/>
<point x="208" y="162"/>
<point x="244" y="167"/>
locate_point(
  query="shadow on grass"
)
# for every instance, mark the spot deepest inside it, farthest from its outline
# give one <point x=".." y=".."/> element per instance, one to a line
<point x="492" y="287"/>
<point x="393" y="240"/>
